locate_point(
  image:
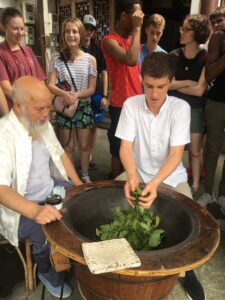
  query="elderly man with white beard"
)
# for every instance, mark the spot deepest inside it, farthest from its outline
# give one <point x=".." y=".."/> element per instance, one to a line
<point x="31" y="161"/>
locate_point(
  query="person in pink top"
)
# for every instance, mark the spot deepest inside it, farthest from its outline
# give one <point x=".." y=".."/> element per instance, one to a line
<point x="121" y="49"/>
<point x="16" y="59"/>
<point x="3" y="104"/>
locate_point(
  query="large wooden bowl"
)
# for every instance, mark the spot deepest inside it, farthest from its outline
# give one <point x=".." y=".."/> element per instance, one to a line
<point x="192" y="236"/>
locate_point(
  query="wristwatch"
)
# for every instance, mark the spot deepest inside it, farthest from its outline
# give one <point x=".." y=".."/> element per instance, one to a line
<point x="104" y="96"/>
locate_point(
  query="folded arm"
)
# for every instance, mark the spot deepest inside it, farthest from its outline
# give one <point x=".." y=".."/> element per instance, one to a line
<point x="198" y="89"/>
<point x="178" y="84"/>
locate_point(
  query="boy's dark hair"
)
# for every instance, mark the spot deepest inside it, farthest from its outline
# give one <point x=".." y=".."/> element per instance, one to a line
<point x="8" y="13"/>
<point x="158" y="65"/>
<point x="124" y="6"/>
<point x="217" y="12"/>
<point x="201" y="27"/>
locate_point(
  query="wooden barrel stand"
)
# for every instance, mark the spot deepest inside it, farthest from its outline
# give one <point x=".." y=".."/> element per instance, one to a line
<point x="119" y="287"/>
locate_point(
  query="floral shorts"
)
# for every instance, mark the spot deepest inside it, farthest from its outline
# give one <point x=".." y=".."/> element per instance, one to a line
<point x="83" y="117"/>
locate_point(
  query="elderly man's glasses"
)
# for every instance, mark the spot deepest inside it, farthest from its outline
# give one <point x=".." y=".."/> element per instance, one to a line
<point x="185" y="29"/>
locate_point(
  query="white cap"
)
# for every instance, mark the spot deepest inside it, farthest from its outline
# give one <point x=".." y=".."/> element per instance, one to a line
<point x="89" y="20"/>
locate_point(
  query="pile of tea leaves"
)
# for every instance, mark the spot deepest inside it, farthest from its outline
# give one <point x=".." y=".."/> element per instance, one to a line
<point x="138" y="225"/>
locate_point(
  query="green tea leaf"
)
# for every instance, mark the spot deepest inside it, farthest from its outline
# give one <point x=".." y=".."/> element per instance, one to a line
<point x="155" y="238"/>
<point x="137" y="225"/>
<point x="139" y="191"/>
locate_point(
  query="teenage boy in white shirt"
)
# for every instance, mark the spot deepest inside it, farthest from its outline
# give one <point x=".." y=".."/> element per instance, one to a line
<point x="154" y="129"/>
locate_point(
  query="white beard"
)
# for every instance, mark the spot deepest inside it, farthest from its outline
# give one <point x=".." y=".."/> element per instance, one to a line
<point x="35" y="129"/>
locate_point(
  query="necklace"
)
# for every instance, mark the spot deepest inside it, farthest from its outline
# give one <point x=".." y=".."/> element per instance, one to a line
<point x="188" y="58"/>
<point x="186" y="68"/>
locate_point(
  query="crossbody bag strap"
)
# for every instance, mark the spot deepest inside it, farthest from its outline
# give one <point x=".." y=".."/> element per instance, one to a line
<point x="71" y="77"/>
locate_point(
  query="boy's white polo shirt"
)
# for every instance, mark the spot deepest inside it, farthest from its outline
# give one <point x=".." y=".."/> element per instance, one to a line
<point x="153" y="135"/>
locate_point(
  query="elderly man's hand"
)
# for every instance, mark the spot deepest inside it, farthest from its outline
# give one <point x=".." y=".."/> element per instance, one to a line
<point x="46" y="214"/>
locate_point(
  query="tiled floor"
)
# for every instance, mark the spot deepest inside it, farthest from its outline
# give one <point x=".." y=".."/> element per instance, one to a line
<point x="211" y="274"/>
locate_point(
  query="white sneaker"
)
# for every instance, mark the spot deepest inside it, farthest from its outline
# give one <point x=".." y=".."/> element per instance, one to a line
<point x="205" y="199"/>
<point x="86" y="179"/>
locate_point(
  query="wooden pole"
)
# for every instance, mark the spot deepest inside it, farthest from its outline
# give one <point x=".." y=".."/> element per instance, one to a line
<point x="208" y="6"/>
<point x="41" y="31"/>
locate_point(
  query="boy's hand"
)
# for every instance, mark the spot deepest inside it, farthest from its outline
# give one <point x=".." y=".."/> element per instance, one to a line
<point x="137" y="19"/>
<point x="149" y="194"/>
<point x="130" y="186"/>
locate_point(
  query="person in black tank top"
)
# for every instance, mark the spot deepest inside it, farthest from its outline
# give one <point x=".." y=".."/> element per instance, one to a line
<point x="190" y="83"/>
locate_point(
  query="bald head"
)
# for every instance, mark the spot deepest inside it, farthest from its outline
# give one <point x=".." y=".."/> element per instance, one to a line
<point x="32" y="103"/>
<point x="29" y="88"/>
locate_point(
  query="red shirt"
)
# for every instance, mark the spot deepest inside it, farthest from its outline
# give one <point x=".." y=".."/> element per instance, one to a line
<point x="125" y="80"/>
<point x="21" y="62"/>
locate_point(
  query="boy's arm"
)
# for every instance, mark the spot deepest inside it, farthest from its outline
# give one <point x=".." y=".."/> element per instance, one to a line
<point x="167" y="168"/>
<point x="127" y="159"/>
<point x="118" y="53"/>
<point x="215" y="63"/>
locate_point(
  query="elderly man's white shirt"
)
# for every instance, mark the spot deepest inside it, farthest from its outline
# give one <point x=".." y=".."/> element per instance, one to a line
<point x="15" y="162"/>
<point x="152" y="135"/>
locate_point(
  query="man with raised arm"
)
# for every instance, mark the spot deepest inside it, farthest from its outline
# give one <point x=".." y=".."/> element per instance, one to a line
<point x="121" y="49"/>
